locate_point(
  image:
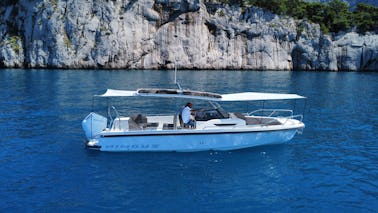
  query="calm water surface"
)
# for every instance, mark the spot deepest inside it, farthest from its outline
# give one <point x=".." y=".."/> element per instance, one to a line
<point x="332" y="166"/>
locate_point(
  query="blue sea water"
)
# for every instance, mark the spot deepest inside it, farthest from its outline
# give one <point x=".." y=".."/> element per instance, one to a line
<point x="44" y="166"/>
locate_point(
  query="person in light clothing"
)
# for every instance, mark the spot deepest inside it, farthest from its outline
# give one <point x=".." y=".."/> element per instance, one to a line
<point x="186" y="113"/>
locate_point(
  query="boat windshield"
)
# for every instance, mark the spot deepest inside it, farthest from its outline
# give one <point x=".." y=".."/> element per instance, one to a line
<point x="217" y="112"/>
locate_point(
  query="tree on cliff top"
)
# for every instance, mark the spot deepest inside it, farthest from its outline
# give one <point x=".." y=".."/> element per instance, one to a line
<point x="334" y="16"/>
<point x="365" y="17"/>
<point x="338" y="17"/>
<point x="8" y="2"/>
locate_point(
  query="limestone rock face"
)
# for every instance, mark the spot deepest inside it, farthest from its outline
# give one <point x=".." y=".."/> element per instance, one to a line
<point x="154" y="34"/>
<point x="356" y="52"/>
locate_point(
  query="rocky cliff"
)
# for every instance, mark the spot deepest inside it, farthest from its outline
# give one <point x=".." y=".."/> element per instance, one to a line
<point x="153" y="34"/>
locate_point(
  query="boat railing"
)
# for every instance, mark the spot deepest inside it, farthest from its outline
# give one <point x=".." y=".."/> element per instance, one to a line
<point x="286" y="114"/>
<point x="271" y="113"/>
<point x="297" y="117"/>
<point x="111" y="117"/>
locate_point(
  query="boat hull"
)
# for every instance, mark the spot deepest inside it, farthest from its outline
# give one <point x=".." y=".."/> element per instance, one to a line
<point x="190" y="141"/>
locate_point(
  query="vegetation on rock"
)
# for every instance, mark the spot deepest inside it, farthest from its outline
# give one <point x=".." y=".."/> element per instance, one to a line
<point x="334" y="16"/>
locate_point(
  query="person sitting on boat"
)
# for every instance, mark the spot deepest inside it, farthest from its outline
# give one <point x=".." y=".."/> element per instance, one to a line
<point x="186" y="115"/>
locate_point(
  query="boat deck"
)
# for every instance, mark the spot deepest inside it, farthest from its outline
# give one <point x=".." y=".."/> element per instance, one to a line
<point x="171" y="122"/>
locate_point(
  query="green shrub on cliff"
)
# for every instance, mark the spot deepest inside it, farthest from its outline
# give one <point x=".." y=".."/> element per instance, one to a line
<point x="334" y="16"/>
<point x="8" y="2"/>
<point x="366" y="17"/>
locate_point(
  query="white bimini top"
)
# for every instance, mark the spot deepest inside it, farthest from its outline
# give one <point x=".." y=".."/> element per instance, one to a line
<point x="176" y="93"/>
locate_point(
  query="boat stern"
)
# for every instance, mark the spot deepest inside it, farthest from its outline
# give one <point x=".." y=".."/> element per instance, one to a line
<point x="93" y="144"/>
<point x="93" y="125"/>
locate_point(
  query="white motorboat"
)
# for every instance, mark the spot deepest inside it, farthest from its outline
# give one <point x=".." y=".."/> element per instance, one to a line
<point x="215" y="128"/>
